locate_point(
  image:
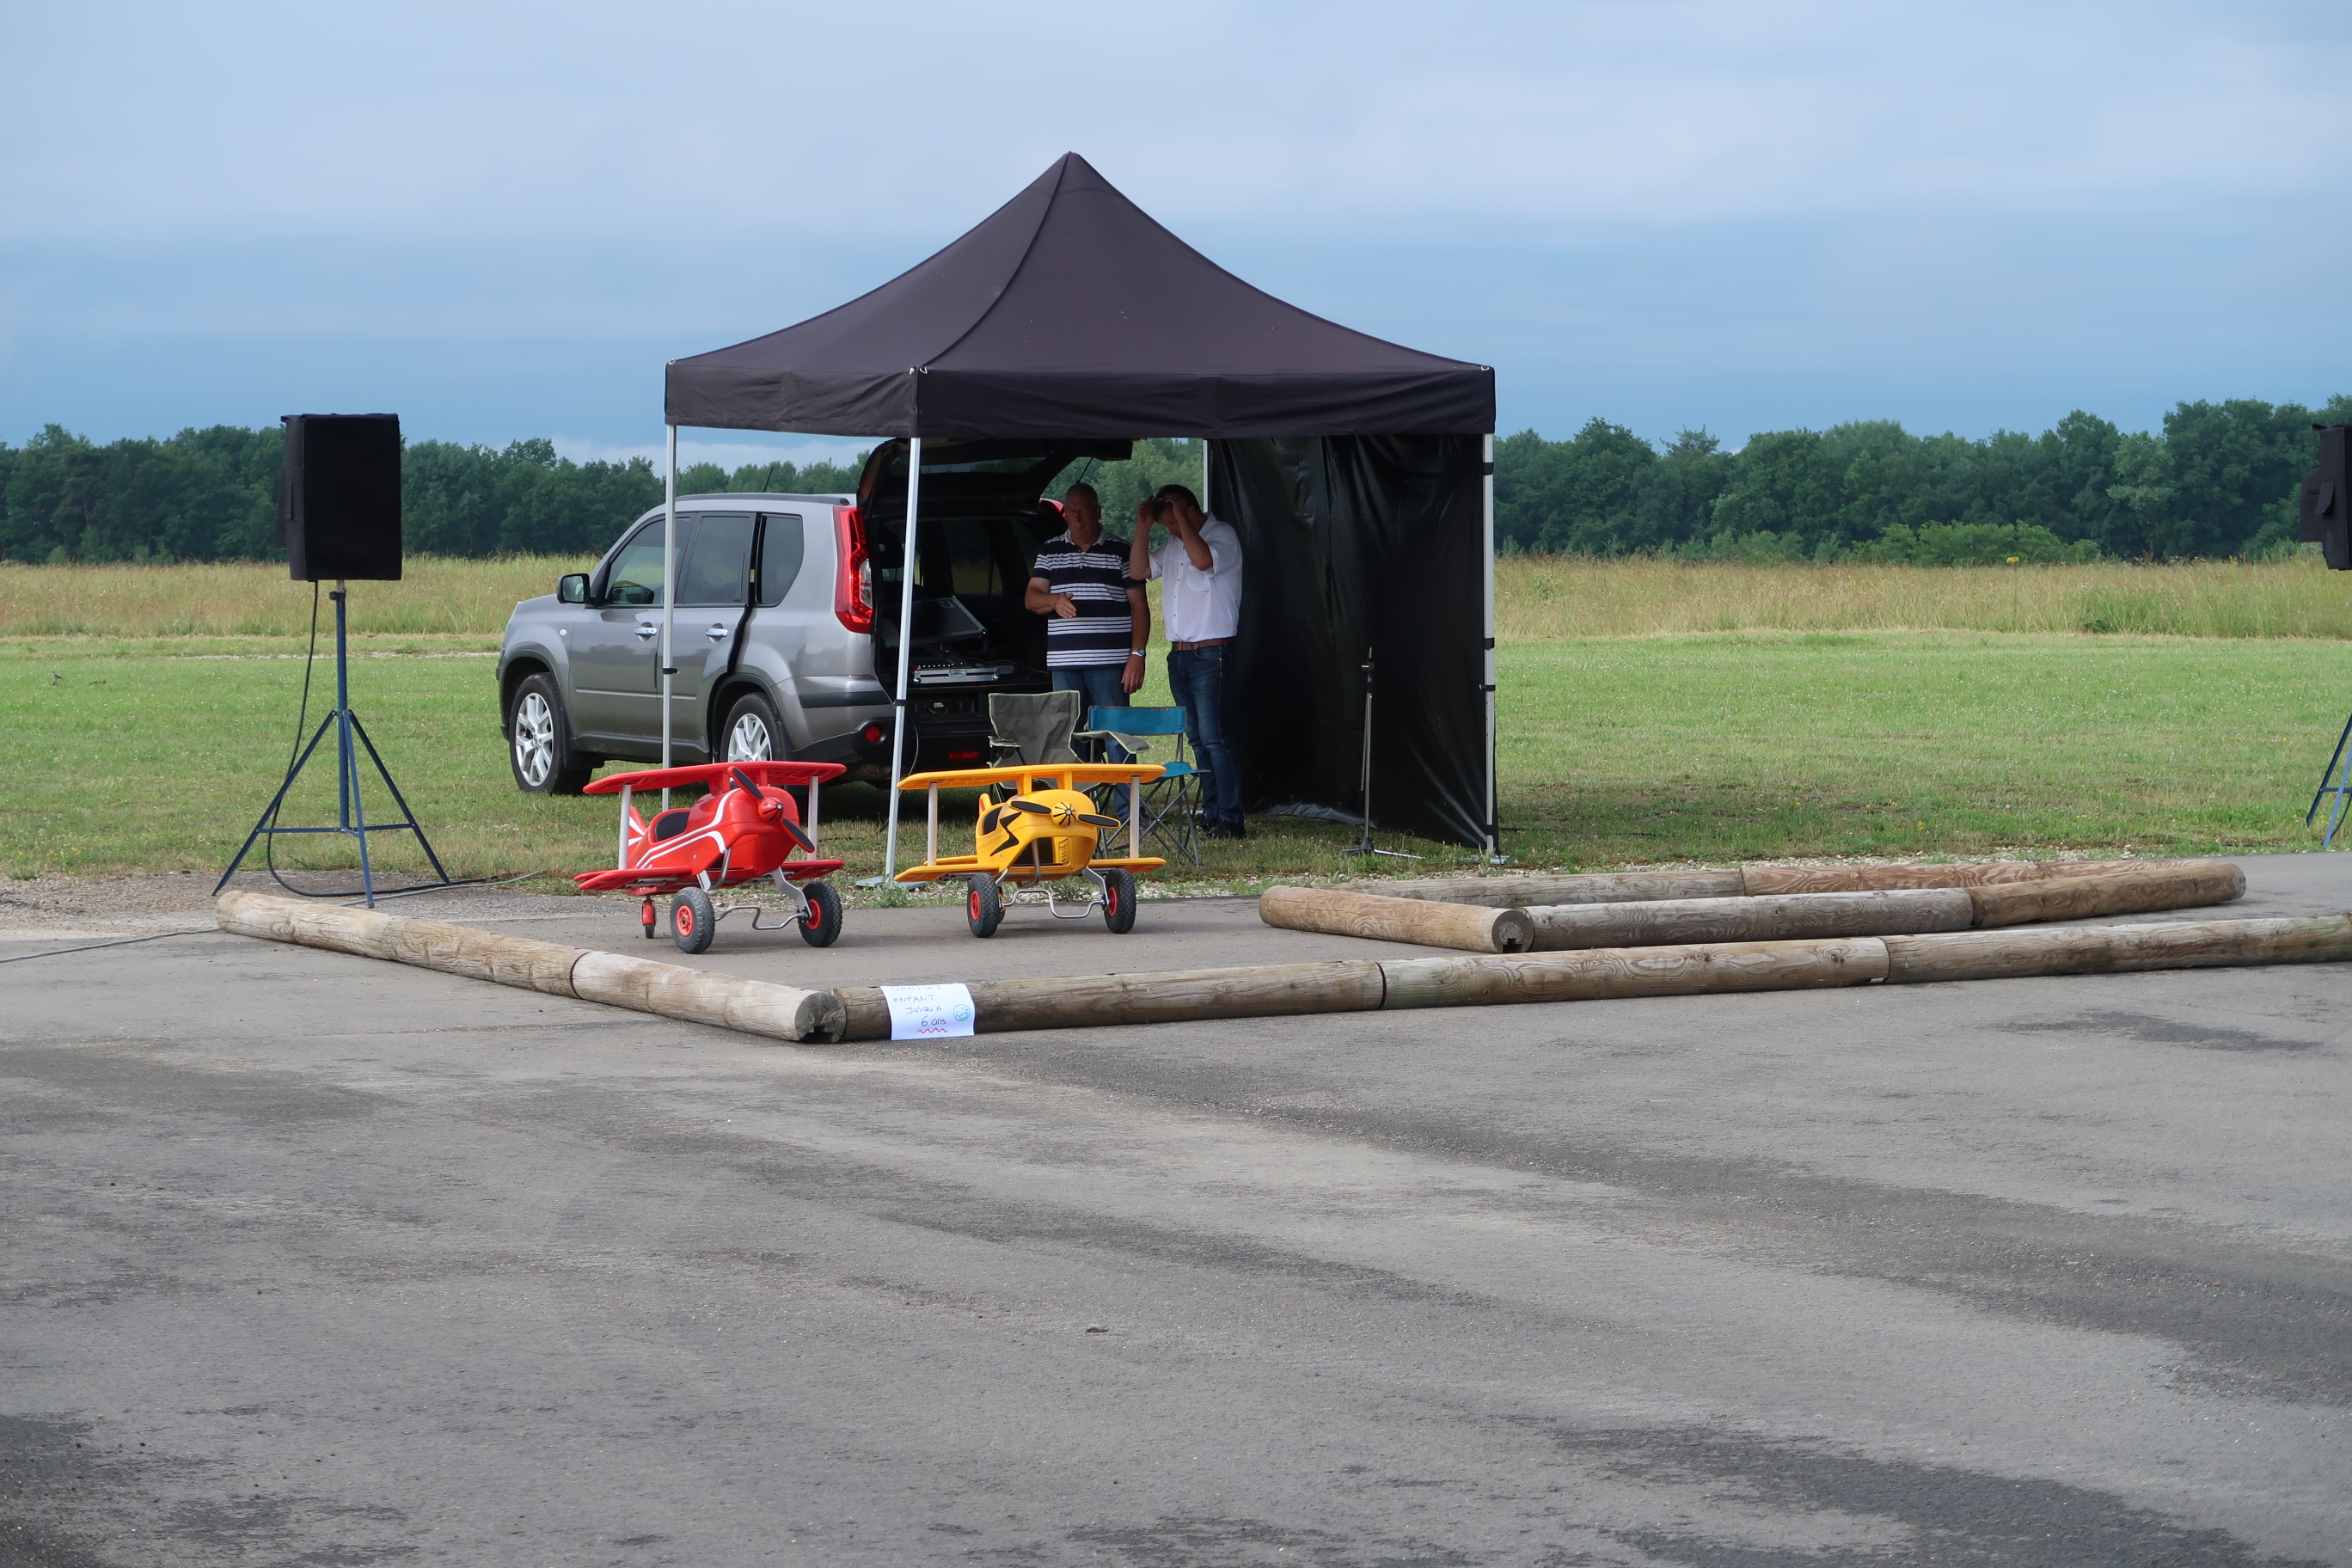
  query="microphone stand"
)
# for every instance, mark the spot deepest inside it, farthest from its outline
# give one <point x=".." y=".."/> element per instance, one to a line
<point x="1363" y="845"/>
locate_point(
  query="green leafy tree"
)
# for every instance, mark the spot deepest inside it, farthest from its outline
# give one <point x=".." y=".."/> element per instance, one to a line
<point x="2144" y="489"/>
<point x="1787" y="485"/>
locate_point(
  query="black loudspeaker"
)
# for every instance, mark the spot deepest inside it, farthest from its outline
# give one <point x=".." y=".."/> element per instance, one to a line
<point x="338" y="497"/>
<point x="2327" y="498"/>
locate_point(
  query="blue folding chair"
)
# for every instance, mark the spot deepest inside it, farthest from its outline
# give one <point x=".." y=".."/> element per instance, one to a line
<point x="1170" y="802"/>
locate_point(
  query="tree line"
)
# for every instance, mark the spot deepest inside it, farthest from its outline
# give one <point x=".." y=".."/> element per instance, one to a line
<point x="2220" y="479"/>
<point x="212" y="495"/>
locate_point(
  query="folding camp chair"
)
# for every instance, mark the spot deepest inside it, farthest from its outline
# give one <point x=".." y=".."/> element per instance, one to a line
<point x="1170" y="801"/>
<point x="1032" y="729"/>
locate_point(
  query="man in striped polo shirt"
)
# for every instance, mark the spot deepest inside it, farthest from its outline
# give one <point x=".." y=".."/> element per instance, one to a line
<point x="1098" y="620"/>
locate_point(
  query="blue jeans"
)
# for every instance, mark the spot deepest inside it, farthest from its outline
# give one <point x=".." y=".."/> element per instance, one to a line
<point x="1196" y="678"/>
<point x="1098" y="687"/>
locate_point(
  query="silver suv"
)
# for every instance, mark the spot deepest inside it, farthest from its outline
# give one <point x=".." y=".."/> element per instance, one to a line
<point x="786" y="632"/>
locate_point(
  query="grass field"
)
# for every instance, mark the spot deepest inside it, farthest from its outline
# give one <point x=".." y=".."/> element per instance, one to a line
<point x="1700" y="727"/>
<point x="144" y="757"/>
<point x="1556" y="596"/>
<point x="1535" y="596"/>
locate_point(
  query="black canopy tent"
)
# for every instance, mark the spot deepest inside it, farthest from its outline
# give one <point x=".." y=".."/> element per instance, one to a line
<point x="1359" y="472"/>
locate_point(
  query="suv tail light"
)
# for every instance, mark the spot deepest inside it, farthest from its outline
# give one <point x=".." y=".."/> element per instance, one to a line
<point x="853" y="590"/>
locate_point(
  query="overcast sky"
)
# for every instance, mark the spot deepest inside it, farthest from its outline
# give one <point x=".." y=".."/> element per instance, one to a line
<point x="499" y="220"/>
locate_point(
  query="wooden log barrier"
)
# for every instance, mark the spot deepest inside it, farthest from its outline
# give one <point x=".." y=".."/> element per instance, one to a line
<point x="2179" y="885"/>
<point x="427" y="944"/>
<point x="784" y="1012"/>
<point x="2140" y="889"/>
<point x="1685" y="971"/>
<point x="1599" y="973"/>
<point x="2015" y="953"/>
<point x="672" y="991"/>
<point x="1472" y="928"/>
<point x="1672" y="921"/>
<point x="1085" y="1001"/>
<point x="1583" y="887"/>
<point x="1758" y="880"/>
<point x="706" y="997"/>
<point x="1750" y="881"/>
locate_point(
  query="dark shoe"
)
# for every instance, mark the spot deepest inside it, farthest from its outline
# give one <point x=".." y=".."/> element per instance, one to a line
<point x="1227" y="830"/>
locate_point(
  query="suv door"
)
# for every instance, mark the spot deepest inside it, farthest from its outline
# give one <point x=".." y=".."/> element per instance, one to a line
<point x="714" y="581"/>
<point x="616" y="648"/>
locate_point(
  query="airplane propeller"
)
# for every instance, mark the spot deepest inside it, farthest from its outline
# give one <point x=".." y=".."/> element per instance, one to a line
<point x="743" y="782"/>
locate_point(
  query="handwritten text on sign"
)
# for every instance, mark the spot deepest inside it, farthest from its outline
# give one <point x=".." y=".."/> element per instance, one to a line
<point x="928" y="1012"/>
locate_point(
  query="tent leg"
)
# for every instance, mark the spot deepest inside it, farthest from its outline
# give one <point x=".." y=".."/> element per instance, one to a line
<point x="1493" y="827"/>
<point x="905" y="651"/>
<point x="669" y="576"/>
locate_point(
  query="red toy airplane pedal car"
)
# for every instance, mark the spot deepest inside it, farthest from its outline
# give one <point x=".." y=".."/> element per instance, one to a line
<point x="746" y="827"/>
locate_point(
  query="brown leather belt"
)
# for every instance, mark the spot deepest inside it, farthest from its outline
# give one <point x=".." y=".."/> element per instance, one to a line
<point x="1189" y="647"/>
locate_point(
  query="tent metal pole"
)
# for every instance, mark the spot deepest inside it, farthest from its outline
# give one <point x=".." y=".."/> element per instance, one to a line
<point x="669" y="597"/>
<point x="1493" y="831"/>
<point x="906" y="650"/>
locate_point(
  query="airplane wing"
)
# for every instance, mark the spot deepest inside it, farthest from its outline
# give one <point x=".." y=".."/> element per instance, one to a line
<point x="709" y="773"/>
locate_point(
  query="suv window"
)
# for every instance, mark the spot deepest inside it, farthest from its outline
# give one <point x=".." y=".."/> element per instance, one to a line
<point x="780" y="548"/>
<point x="636" y="575"/>
<point x="717" y="566"/>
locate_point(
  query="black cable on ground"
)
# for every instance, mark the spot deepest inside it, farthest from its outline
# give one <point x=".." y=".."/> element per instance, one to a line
<point x="118" y="942"/>
<point x="359" y="900"/>
<point x="302" y="723"/>
<point x="201" y="931"/>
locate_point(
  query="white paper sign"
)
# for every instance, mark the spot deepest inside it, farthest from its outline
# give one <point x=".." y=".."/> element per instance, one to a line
<point x="928" y="1012"/>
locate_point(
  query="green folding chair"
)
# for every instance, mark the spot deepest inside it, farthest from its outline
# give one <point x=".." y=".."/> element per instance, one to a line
<point x="1031" y="727"/>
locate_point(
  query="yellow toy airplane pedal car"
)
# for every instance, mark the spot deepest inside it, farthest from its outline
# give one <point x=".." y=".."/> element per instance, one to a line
<point x="1044" y="828"/>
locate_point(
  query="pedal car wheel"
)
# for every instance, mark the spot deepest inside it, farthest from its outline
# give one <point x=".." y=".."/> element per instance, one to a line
<point x="692" y="920"/>
<point x="983" y="906"/>
<point x="1118" y="901"/>
<point x="823" y="922"/>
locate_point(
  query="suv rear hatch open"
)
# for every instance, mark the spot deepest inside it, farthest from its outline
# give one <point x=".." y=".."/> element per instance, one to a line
<point x="982" y="519"/>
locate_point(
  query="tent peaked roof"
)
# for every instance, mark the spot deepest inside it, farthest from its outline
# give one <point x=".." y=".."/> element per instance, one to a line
<point x="1069" y="312"/>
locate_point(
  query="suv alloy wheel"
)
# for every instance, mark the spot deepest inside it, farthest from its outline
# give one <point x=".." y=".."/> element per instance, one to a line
<point x="538" y="742"/>
<point x="752" y="732"/>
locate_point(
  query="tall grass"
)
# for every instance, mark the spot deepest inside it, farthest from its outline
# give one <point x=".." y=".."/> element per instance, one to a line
<point x="1567" y="596"/>
<point x="1536" y="597"/>
<point x="435" y="595"/>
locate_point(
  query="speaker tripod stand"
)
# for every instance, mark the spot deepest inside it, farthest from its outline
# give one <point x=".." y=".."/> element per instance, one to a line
<point x="2341" y="789"/>
<point x="351" y="812"/>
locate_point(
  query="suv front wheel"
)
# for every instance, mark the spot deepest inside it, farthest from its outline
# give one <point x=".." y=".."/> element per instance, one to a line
<point x="538" y="742"/>
<point x="752" y="734"/>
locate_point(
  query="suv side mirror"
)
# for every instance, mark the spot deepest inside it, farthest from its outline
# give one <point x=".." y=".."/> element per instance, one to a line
<point x="572" y="588"/>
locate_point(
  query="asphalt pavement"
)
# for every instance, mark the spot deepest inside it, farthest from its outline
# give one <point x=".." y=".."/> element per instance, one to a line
<point x="306" y="1258"/>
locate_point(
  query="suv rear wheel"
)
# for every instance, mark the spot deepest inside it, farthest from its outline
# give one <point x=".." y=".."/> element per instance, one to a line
<point x="538" y="742"/>
<point x="752" y="734"/>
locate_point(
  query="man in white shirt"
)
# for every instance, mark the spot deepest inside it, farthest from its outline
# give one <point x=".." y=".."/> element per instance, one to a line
<point x="1199" y="570"/>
